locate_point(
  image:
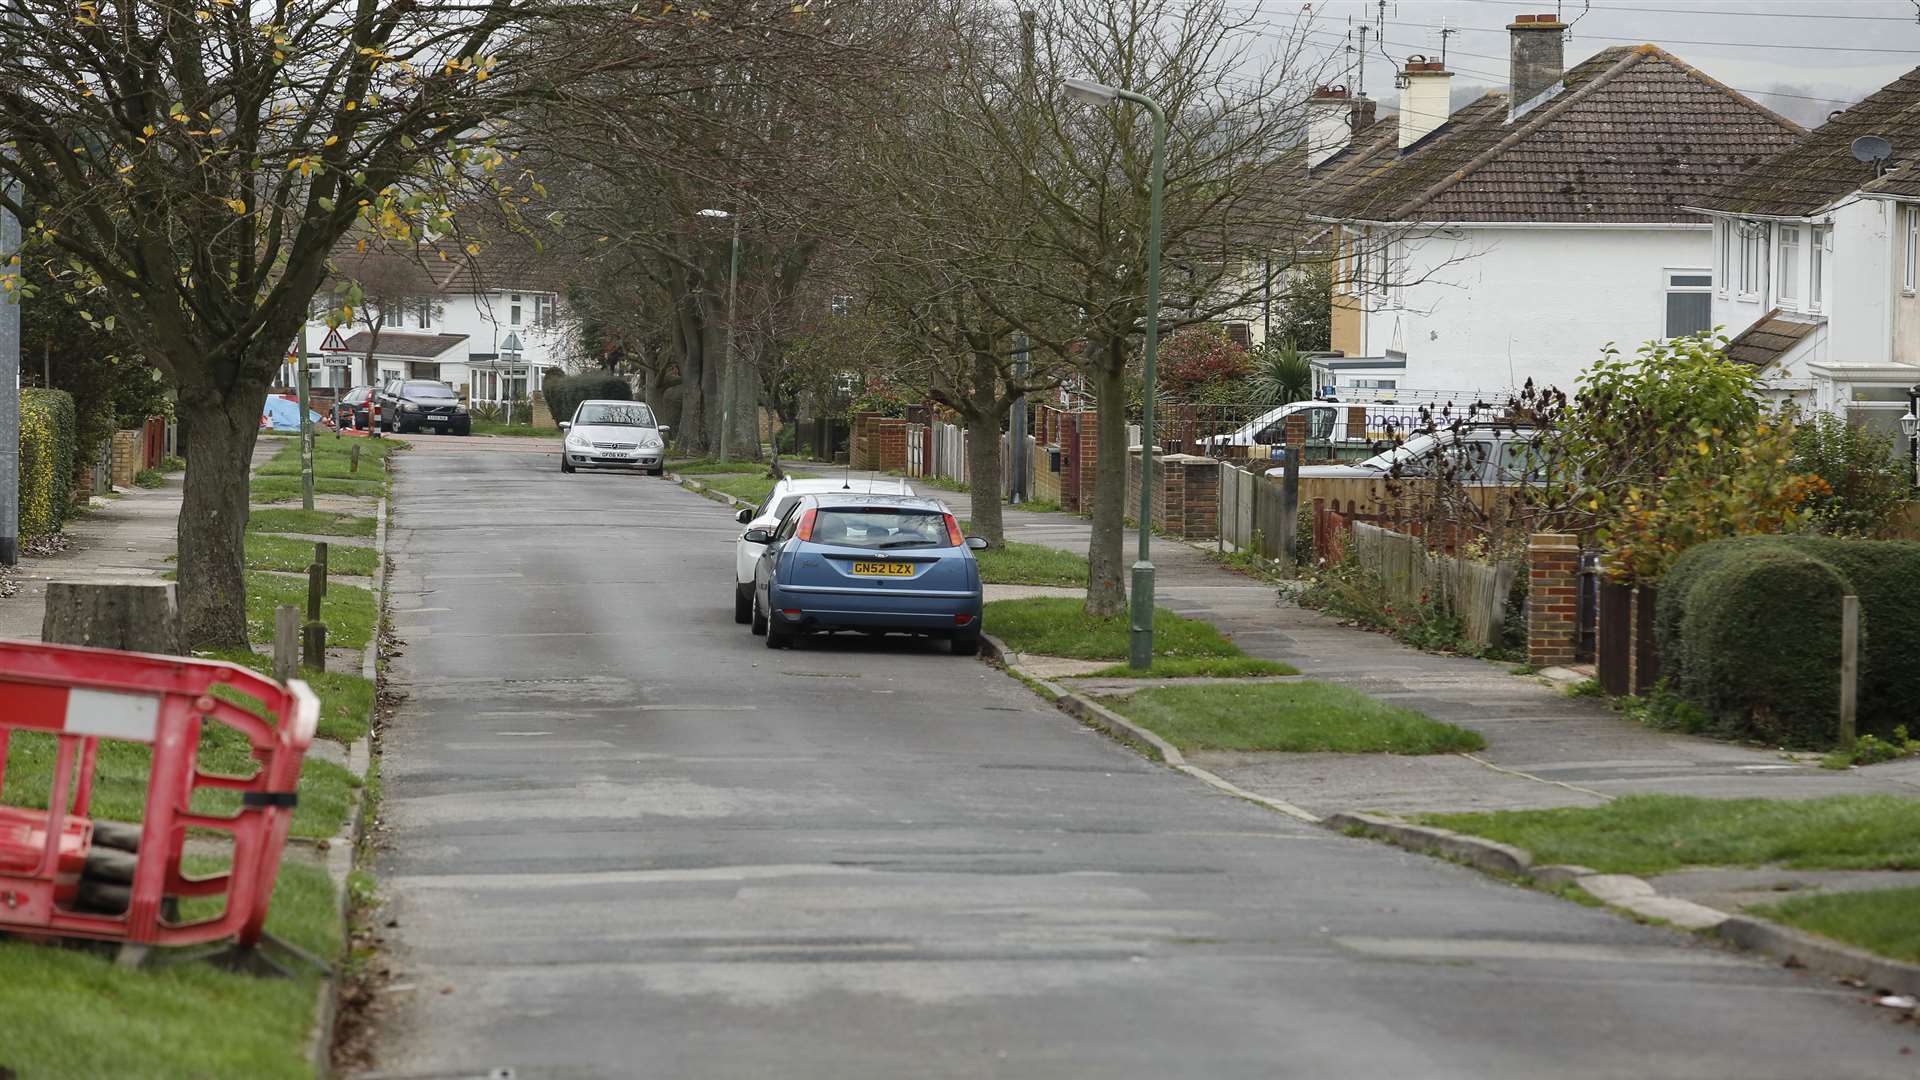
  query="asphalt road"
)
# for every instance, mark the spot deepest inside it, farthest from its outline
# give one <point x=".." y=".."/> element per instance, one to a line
<point x="625" y="839"/>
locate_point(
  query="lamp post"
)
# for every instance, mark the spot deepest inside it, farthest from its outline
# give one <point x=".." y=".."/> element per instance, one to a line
<point x="1140" y="636"/>
<point x="1910" y="427"/>
<point x="510" y="353"/>
<point x="726" y="363"/>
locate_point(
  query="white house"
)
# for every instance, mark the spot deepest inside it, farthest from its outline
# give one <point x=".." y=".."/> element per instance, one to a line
<point x="1513" y="239"/>
<point x="1816" y="262"/>
<point x="445" y="318"/>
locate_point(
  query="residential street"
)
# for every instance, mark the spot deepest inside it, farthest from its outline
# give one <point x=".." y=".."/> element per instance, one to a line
<point x="623" y="838"/>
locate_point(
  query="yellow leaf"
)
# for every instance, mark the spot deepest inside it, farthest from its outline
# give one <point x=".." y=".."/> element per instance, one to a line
<point x="238" y="206"/>
<point x="331" y="139"/>
<point x="1704" y="448"/>
<point x="352" y="105"/>
<point x="473" y="249"/>
<point x="480" y="75"/>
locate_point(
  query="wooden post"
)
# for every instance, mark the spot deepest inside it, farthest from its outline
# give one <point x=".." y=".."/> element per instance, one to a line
<point x="139" y="616"/>
<point x="1849" y="667"/>
<point x="286" y="642"/>
<point x="353" y="463"/>
<point x="1289" y="506"/>
<point x="313" y="636"/>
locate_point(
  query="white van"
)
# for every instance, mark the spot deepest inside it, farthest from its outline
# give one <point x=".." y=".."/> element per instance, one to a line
<point x="1339" y="430"/>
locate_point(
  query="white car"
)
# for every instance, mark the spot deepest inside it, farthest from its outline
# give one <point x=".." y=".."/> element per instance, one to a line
<point x="1480" y="454"/>
<point x="613" y="435"/>
<point x="768" y="514"/>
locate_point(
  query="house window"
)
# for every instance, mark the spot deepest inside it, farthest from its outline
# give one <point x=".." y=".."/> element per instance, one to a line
<point x="1789" y="289"/>
<point x="1913" y="243"/>
<point x="423" y="312"/>
<point x="1724" y="267"/>
<point x="1689" y="302"/>
<point x="1753" y="250"/>
<point x="1816" y="266"/>
<point x="1240" y="334"/>
<point x="546" y="310"/>
<point x="513" y="311"/>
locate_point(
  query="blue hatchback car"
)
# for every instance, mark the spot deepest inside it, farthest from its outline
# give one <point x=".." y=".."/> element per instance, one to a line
<point x="868" y="563"/>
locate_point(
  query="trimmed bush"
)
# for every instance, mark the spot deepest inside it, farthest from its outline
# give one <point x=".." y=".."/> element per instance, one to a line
<point x="46" y="459"/>
<point x="564" y="393"/>
<point x="1749" y="629"/>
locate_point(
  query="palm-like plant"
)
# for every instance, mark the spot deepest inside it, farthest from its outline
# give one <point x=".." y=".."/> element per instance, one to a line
<point x="1281" y="374"/>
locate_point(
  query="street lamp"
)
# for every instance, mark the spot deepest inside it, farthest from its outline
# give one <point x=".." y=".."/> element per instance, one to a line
<point x="510" y="352"/>
<point x="1140" y="636"/>
<point x="1910" y="427"/>
<point x="726" y="369"/>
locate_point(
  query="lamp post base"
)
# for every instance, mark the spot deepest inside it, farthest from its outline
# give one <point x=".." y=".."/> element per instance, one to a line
<point x="1140" y="633"/>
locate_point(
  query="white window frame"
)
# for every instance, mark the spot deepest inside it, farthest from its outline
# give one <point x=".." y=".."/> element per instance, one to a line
<point x="1787" y="277"/>
<point x="1668" y="288"/>
<point x="1753" y="259"/>
<point x="1818" y="237"/>
<point x="513" y="309"/>
<point x="1723" y="272"/>
<point x="1913" y="248"/>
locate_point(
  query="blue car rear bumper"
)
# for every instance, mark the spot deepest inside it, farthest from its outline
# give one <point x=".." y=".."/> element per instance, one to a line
<point x="824" y="608"/>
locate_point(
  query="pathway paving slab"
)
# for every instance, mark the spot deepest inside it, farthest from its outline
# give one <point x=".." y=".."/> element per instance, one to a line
<point x="1734" y="888"/>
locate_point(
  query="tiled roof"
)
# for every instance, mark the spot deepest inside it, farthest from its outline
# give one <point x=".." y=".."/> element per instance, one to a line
<point x="445" y="268"/>
<point x="1768" y="340"/>
<point x="1821" y="168"/>
<point x="399" y="343"/>
<point x="1635" y="136"/>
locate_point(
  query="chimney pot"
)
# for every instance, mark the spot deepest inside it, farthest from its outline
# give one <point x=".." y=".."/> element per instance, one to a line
<point x="1537" y="52"/>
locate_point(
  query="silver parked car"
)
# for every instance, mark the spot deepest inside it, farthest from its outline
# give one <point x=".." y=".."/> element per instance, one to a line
<point x="614" y="435"/>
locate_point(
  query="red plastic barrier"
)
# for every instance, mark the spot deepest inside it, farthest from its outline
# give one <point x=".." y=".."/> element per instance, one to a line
<point x="81" y="696"/>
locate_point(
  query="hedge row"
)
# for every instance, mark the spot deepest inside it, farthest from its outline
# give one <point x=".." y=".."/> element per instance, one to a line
<point x="564" y="393"/>
<point x="1749" y="629"/>
<point x="46" y="459"/>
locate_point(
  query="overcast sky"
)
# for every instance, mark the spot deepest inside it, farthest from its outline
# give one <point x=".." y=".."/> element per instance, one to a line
<point x="1829" y="53"/>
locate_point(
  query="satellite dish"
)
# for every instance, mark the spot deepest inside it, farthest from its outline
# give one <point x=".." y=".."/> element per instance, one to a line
<point x="1872" y="149"/>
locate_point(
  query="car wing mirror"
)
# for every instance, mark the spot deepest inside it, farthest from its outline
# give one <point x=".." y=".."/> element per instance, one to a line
<point x="758" y="536"/>
<point x="566" y="425"/>
<point x="978" y="543"/>
<point x="663" y="429"/>
<point x="744" y="516"/>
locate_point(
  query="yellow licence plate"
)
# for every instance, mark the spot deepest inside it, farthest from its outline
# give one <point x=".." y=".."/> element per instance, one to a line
<point x="883" y="569"/>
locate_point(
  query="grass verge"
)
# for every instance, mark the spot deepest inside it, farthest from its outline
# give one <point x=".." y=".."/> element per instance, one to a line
<point x="348" y="610"/>
<point x="315" y="522"/>
<point x="71" y="1012"/>
<point x="754" y="489"/>
<point x="1651" y="834"/>
<point x="1879" y="920"/>
<point x="279" y="489"/>
<point x="1060" y="626"/>
<point x="265" y="552"/>
<point x="708" y="465"/>
<point x="1014" y="563"/>
<point x="496" y="427"/>
<point x="1209" y="667"/>
<point x="1301" y="717"/>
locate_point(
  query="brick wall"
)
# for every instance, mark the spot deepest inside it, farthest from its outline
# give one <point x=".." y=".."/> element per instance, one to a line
<point x="126" y="457"/>
<point x="888" y="449"/>
<point x="1553" y="599"/>
<point x="1186" y="494"/>
<point x="1201" y="499"/>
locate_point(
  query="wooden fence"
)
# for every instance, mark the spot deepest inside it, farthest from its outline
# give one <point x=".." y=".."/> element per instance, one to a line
<point x="1475" y="592"/>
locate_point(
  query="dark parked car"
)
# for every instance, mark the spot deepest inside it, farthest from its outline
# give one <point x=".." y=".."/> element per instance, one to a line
<point x="354" y="409"/>
<point x="868" y="563"/>
<point x="422" y="405"/>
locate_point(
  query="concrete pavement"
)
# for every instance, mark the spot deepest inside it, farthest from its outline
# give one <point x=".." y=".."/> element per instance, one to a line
<point x="625" y="839"/>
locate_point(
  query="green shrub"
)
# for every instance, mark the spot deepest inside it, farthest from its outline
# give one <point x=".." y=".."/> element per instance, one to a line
<point x="46" y="459"/>
<point x="1867" y="483"/>
<point x="564" y="393"/>
<point x="1749" y="629"/>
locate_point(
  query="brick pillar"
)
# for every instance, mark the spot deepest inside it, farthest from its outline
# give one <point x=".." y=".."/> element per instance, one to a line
<point x="542" y="416"/>
<point x="1200" y="498"/>
<point x="1553" y="599"/>
<point x="126" y="449"/>
<point x="1086" y="452"/>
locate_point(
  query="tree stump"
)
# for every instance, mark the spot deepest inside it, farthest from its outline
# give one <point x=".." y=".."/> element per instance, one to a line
<point x="139" y="615"/>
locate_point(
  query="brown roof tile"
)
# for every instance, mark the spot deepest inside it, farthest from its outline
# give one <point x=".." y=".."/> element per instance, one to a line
<point x="1635" y="136"/>
<point x="1768" y="340"/>
<point x="1821" y="168"/>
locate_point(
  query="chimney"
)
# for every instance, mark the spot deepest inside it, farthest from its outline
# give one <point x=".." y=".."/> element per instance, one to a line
<point x="1329" y="127"/>
<point x="1424" y="100"/>
<point x="1537" y="60"/>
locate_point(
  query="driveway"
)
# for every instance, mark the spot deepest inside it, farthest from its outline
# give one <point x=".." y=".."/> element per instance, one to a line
<point x="625" y="839"/>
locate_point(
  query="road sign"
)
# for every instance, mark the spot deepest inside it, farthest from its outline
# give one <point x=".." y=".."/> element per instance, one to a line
<point x="333" y="342"/>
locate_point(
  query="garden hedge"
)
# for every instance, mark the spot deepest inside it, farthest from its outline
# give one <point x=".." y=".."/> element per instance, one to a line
<point x="1749" y="629"/>
<point x="46" y="459"/>
<point x="564" y="393"/>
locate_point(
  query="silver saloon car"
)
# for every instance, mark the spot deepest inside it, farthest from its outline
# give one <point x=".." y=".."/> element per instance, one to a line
<point x="614" y="435"/>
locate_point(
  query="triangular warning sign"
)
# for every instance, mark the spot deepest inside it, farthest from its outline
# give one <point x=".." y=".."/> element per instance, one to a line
<point x="333" y="342"/>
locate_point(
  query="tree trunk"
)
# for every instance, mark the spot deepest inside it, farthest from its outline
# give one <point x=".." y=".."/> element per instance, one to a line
<point x="1106" y="549"/>
<point x="746" y="406"/>
<point x="983" y="475"/>
<point x="224" y="424"/>
<point x="692" y="432"/>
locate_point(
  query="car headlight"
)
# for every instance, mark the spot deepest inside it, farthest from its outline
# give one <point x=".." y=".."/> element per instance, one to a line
<point x="459" y="410"/>
<point x="577" y="442"/>
<point x="651" y="442"/>
<point x="408" y="406"/>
